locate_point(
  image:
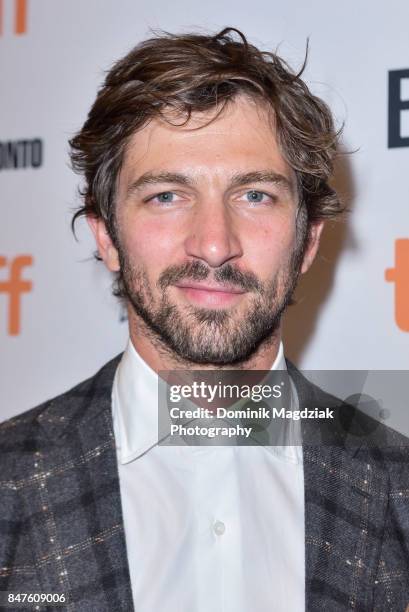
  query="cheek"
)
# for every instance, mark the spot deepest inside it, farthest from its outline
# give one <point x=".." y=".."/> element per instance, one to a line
<point x="149" y="243"/>
<point x="269" y="248"/>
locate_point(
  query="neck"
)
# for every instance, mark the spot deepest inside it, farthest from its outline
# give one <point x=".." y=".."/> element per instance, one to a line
<point x="159" y="357"/>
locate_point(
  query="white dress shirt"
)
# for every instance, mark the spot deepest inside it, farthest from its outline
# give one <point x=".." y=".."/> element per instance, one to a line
<point x="208" y="529"/>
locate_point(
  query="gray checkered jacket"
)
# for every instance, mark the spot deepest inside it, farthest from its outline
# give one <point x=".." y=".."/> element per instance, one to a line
<point x="61" y="527"/>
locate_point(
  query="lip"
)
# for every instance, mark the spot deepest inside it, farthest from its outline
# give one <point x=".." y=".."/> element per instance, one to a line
<point x="208" y="287"/>
<point x="209" y="294"/>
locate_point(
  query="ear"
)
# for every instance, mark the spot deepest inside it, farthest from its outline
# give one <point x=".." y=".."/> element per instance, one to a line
<point x="314" y="236"/>
<point x="106" y="247"/>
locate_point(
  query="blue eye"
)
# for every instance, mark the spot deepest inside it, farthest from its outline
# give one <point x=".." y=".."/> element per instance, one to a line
<point x="255" y="196"/>
<point x="165" y="197"/>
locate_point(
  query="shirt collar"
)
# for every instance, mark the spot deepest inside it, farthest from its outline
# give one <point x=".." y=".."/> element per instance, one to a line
<point x="135" y="408"/>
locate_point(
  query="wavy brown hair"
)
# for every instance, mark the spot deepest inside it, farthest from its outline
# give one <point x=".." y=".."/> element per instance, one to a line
<point x="193" y="73"/>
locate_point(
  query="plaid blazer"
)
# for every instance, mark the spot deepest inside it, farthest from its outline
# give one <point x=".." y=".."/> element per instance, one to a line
<point x="61" y="526"/>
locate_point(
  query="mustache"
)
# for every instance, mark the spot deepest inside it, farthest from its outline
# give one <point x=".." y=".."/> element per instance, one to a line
<point x="197" y="271"/>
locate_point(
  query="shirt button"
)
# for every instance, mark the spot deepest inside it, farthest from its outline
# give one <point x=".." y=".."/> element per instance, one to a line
<point x="219" y="528"/>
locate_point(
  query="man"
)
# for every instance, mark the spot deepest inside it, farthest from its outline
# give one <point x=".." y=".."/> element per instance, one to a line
<point x="206" y="167"/>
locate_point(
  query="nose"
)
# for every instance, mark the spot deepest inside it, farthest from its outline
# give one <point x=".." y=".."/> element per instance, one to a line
<point x="212" y="235"/>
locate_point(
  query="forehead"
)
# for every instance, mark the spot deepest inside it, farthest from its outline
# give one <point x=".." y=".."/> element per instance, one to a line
<point x="242" y="137"/>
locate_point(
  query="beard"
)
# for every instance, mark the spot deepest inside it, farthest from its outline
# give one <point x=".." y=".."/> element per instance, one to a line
<point x="206" y="336"/>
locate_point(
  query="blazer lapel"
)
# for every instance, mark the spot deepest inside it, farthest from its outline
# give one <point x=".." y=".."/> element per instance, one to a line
<point x="75" y="509"/>
<point x="345" y="507"/>
<point x="346" y="490"/>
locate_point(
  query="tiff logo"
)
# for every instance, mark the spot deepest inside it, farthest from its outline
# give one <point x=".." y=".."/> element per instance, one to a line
<point x="14" y="287"/>
<point x="400" y="276"/>
<point x="20" y="16"/>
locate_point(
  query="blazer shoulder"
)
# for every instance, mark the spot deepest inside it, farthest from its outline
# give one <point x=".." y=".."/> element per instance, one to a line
<point x="351" y="428"/>
<point x="18" y="431"/>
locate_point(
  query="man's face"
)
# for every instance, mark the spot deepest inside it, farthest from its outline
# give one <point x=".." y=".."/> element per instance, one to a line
<point x="207" y="241"/>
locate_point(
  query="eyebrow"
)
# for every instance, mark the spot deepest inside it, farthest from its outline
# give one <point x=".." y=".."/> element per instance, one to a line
<point x="268" y="176"/>
<point x="149" y="178"/>
<point x="237" y="180"/>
